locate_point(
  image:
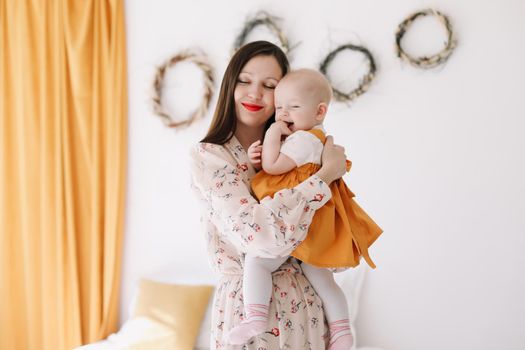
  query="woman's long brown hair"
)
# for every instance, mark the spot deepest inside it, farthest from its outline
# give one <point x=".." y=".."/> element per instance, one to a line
<point x="224" y="122"/>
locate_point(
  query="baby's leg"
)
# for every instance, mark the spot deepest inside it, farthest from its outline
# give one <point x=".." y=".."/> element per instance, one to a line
<point x="334" y="304"/>
<point x="257" y="290"/>
<point x="334" y="301"/>
<point x="257" y="279"/>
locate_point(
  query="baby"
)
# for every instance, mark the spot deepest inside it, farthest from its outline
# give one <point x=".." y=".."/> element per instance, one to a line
<point x="340" y="232"/>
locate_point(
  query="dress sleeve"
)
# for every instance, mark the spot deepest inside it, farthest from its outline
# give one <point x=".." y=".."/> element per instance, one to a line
<point x="268" y="229"/>
<point x="302" y="147"/>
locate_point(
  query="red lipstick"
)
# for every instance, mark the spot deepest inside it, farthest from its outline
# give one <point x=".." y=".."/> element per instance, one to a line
<point x="252" y="108"/>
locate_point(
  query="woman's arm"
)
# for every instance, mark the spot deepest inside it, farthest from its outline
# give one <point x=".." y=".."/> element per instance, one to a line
<point x="271" y="228"/>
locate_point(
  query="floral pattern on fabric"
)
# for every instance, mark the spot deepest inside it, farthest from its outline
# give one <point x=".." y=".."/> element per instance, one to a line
<point x="296" y="319"/>
<point x="235" y="223"/>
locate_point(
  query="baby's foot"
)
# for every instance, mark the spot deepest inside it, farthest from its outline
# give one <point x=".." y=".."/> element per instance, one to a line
<point x="240" y="334"/>
<point x="344" y="342"/>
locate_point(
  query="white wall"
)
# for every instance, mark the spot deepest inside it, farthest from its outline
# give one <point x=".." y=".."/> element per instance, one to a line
<point x="437" y="161"/>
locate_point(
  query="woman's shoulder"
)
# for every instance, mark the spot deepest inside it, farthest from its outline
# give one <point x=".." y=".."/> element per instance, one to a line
<point x="204" y="149"/>
<point x="206" y="146"/>
<point x="211" y="156"/>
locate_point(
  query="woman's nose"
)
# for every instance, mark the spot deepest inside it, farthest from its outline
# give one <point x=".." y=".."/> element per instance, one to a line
<point x="254" y="92"/>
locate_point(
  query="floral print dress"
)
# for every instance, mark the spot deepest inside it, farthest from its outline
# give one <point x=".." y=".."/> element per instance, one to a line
<point x="235" y="223"/>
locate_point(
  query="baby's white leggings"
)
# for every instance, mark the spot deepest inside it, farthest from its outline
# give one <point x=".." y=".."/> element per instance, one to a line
<point x="257" y="285"/>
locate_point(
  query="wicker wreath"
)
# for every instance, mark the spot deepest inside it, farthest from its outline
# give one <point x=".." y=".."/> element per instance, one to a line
<point x="200" y="60"/>
<point x="424" y="61"/>
<point x="264" y="19"/>
<point x="364" y="82"/>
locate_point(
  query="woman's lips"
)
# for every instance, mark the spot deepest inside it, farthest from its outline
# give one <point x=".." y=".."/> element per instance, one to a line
<point x="252" y="108"/>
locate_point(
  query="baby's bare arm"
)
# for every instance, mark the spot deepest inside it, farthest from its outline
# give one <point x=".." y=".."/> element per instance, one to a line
<point x="273" y="161"/>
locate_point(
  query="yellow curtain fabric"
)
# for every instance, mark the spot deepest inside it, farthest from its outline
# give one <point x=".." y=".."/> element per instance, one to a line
<point x="63" y="144"/>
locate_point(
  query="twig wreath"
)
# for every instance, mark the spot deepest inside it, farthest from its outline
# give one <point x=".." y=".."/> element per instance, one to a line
<point x="201" y="61"/>
<point x="364" y="82"/>
<point x="424" y="61"/>
<point x="264" y="19"/>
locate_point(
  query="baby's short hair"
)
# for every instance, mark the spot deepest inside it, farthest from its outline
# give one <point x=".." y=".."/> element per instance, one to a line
<point x="314" y="80"/>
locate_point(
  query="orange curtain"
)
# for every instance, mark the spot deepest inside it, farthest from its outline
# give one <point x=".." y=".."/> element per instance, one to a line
<point x="63" y="145"/>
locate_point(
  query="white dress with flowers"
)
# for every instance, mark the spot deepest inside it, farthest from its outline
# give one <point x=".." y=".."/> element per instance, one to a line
<point x="235" y="224"/>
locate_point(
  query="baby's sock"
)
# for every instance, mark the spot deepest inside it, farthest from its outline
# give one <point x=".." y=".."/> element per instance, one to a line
<point x="340" y="335"/>
<point x="254" y="324"/>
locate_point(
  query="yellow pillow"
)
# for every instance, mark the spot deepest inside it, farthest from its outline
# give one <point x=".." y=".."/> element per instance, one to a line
<point x="178" y="306"/>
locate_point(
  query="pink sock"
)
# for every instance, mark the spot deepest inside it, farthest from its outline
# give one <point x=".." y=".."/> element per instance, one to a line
<point x="340" y="336"/>
<point x="254" y="324"/>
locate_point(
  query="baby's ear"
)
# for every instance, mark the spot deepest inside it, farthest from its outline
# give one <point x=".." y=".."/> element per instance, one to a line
<point x="322" y="108"/>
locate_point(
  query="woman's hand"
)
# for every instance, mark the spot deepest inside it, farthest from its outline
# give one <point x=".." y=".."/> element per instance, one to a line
<point x="334" y="161"/>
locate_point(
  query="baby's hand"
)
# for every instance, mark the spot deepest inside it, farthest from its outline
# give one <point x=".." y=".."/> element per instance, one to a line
<point x="279" y="128"/>
<point x="254" y="154"/>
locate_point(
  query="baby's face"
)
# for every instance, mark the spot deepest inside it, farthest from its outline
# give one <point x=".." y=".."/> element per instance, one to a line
<point x="296" y="106"/>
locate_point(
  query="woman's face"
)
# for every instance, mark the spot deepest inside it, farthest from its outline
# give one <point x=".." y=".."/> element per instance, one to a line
<point x="253" y="93"/>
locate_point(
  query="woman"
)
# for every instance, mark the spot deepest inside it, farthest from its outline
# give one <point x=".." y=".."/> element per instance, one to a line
<point x="236" y="223"/>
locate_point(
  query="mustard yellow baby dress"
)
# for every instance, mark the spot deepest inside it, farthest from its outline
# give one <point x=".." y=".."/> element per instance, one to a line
<point x="340" y="232"/>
